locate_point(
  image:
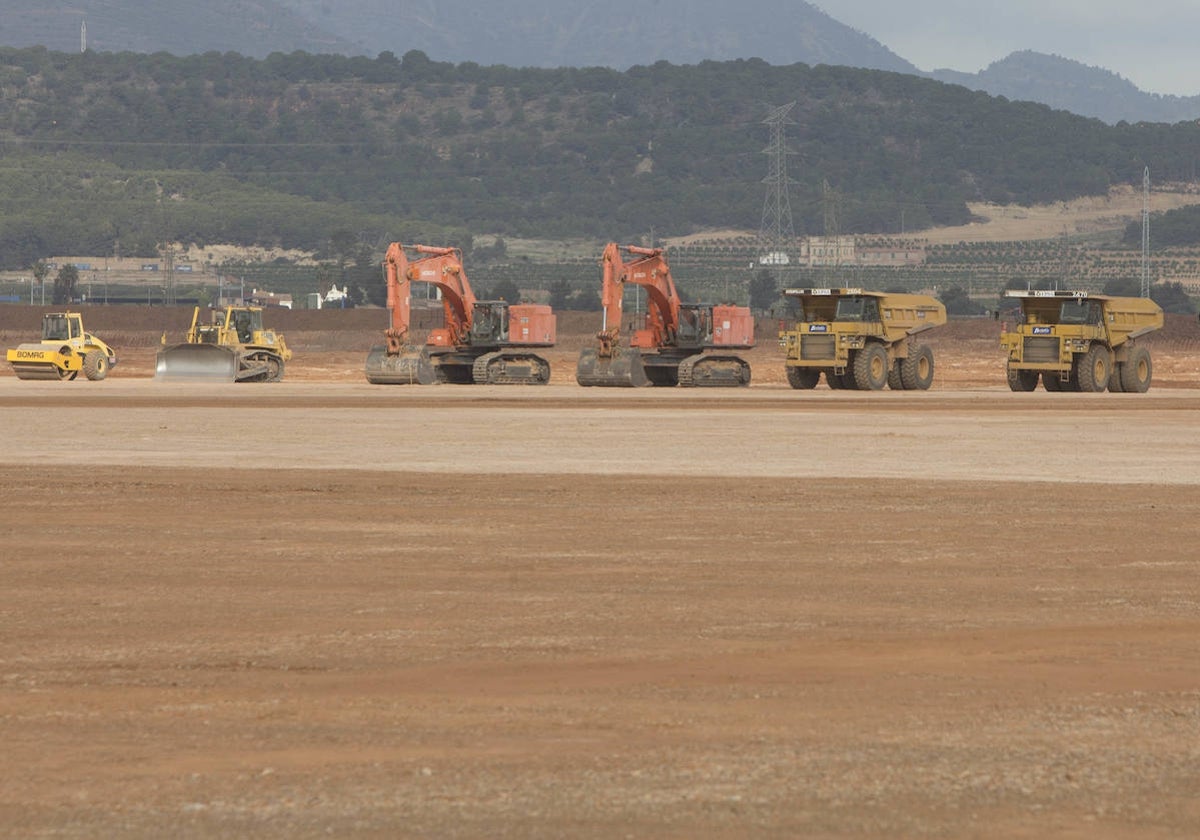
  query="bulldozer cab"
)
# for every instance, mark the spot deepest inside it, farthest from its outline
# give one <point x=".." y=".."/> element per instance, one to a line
<point x="489" y="323"/>
<point x="60" y="327"/>
<point x="245" y="322"/>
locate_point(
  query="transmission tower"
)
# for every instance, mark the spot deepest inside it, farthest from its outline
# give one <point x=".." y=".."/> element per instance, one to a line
<point x="1146" y="232"/>
<point x="776" y="236"/>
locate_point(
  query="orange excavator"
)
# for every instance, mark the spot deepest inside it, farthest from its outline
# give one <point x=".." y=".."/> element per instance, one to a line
<point x="481" y="342"/>
<point x="676" y="344"/>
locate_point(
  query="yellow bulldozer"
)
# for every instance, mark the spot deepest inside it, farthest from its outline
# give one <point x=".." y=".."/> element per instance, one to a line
<point x="64" y="351"/>
<point x="234" y="347"/>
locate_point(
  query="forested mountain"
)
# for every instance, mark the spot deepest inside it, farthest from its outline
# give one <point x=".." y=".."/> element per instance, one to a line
<point x="617" y="34"/>
<point x="1072" y="86"/>
<point x="107" y="148"/>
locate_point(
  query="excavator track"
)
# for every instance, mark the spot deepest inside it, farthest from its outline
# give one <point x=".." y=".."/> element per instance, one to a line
<point x="712" y="371"/>
<point x="504" y="367"/>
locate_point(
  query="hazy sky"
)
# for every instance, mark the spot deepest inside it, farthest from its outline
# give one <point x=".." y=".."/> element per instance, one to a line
<point x="1153" y="43"/>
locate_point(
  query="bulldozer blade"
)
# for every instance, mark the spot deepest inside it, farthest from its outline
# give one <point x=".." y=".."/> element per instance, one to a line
<point x="197" y="363"/>
<point x="411" y="366"/>
<point x="624" y="369"/>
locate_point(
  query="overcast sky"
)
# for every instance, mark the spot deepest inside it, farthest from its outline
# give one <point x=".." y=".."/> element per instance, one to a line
<point x="1153" y="43"/>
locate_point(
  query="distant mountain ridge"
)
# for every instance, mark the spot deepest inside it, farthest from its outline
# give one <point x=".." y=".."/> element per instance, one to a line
<point x="616" y="33"/>
<point x="558" y="33"/>
<point x="180" y="27"/>
<point x="1073" y="86"/>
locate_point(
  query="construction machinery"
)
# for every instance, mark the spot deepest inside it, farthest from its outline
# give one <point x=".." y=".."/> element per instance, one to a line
<point x="1080" y="341"/>
<point x="65" y="350"/>
<point x="861" y="340"/>
<point x="481" y="342"/>
<point x="685" y="344"/>
<point x="233" y="347"/>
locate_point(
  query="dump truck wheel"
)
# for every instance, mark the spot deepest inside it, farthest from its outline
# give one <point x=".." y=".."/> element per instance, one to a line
<point x="803" y="379"/>
<point x="1052" y="382"/>
<point x="1093" y="369"/>
<point x="1137" y="371"/>
<point x="917" y="369"/>
<point x="895" y="377"/>
<point x="1022" y="380"/>
<point x="95" y="366"/>
<point x="1114" y="378"/>
<point x="871" y="367"/>
<point x="833" y="380"/>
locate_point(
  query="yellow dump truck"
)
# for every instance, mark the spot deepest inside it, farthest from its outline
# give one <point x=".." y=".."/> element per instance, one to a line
<point x="65" y="350"/>
<point x="861" y="340"/>
<point x="1080" y="341"/>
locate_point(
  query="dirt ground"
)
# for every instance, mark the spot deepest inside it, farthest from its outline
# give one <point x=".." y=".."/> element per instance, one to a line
<point x="324" y="608"/>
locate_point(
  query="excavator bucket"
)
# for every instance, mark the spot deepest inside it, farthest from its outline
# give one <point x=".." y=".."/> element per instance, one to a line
<point x="411" y="366"/>
<point x="624" y="369"/>
<point x="197" y="363"/>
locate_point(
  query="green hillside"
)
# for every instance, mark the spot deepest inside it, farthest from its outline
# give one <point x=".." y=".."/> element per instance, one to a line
<point x="121" y="151"/>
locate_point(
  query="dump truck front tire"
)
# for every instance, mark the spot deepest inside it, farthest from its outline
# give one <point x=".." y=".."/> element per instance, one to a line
<point x="895" y="376"/>
<point x="1022" y="380"/>
<point x="871" y="367"/>
<point x="1137" y="371"/>
<point x="1093" y="369"/>
<point x="803" y="379"/>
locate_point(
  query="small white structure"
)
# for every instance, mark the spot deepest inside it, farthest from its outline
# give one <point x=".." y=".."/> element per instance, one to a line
<point x="333" y="299"/>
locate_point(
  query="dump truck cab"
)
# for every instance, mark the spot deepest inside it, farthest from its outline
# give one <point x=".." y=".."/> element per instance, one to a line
<point x="1079" y="341"/>
<point x="860" y="339"/>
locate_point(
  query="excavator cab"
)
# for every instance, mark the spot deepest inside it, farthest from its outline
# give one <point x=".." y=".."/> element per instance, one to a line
<point x="695" y="325"/>
<point x="489" y="323"/>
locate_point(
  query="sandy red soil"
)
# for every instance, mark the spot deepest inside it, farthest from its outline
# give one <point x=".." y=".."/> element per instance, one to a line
<point x="328" y="608"/>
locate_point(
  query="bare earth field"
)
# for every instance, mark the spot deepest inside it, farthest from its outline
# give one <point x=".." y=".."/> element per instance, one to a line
<point x="324" y="608"/>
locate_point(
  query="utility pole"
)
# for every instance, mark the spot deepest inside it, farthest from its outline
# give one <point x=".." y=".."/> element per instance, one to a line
<point x="1146" y="232"/>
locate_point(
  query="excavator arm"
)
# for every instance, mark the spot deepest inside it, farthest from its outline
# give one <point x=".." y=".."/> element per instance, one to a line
<point x="649" y="270"/>
<point x="440" y="267"/>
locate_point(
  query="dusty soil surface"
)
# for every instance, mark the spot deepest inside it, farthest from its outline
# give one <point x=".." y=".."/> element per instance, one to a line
<point x="323" y="608"/>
